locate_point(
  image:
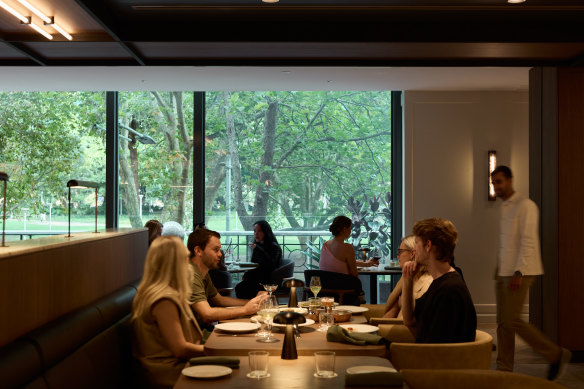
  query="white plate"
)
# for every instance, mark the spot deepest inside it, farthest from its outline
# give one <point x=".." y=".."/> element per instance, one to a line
<point x="359" y="327"/>
<point x="206" y="371"/>
<point x="237" y="326"/>
<point x="309" y="322"/>
<point x="302" y="311"/>
<point x="370" y="369"/>
<point x="352" y="308"/>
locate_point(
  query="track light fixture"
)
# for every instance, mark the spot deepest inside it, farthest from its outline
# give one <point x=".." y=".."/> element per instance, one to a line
<point x="48" y="20"/>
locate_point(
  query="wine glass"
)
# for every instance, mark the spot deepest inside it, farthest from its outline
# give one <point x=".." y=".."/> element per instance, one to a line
<point x="268" y="309"/>
<point x="269" y="287"/>
<point x="315" y="285"/>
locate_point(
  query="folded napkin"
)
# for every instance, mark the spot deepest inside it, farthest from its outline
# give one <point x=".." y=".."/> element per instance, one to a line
<point x="232" y="362"/>
<point x="339" y="334"/>
<point x="378" y="378"/>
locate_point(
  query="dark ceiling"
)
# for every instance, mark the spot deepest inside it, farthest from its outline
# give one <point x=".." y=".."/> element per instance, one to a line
<point x="302" y="33"/>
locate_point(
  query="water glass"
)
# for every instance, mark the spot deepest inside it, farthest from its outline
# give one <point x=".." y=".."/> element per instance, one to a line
<point x="325" y="364"/>
<point x="258" y="364"/>
<point x="326" y="319"/>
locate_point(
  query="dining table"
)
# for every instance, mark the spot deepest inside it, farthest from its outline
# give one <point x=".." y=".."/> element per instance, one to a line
<point x="285" y="374"/>
<point x="375" y="271"/>
<point x="310" y="341"/>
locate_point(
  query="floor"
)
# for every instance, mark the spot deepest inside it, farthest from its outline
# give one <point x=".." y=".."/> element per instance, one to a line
<point x="530" y="363"/>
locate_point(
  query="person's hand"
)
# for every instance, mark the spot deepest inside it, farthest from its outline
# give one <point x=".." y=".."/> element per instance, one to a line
<point x="373" y="262"/>
<point x="253" y="305"/>
<point x="252" y="245"/>
<point x="515" y="282"/>
<point x="409" y="270"/>
<point x="262" y="293"/>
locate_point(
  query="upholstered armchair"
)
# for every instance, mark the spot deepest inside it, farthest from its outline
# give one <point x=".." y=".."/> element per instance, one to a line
<point x="467" y="355"/>
<point x="472" y="378"/>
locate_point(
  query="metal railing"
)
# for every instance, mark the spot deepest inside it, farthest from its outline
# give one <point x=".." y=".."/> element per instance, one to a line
<point x="238" y="244"/>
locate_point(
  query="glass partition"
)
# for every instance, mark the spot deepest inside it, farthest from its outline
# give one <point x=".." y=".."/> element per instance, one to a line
<point x="155" y="157"/>
<point x="47" y="139"/>
<point x="297" y="160"/>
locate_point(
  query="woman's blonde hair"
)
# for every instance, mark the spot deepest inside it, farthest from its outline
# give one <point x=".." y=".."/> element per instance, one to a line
<point x="410" y="242"/>
<point x="166" y="274"/>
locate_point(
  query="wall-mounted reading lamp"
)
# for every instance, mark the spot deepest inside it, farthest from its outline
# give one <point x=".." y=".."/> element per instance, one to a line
<point x="492" y="166"/>
<point x="81" y="184"/>
<point x="4" y="178"/>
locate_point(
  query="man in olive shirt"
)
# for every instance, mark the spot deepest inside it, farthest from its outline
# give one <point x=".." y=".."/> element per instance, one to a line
<point x="205" y="253"/>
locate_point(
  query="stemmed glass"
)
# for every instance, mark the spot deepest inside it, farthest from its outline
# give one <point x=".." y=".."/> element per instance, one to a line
<point x="270" y="288"/>
<point x="268" y="309"/>
<point x="315" y="285"/>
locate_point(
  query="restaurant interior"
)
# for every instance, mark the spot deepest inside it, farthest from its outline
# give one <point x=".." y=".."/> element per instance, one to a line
<point x="475" y="76"/>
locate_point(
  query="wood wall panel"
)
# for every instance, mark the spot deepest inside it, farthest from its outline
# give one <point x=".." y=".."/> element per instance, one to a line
<point x="571" y="207"/>
<point x="40" y="284"/>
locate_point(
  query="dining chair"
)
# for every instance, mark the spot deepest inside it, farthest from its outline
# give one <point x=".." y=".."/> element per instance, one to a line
<point x="472" y="378"/>
<point x="466" y="355"/>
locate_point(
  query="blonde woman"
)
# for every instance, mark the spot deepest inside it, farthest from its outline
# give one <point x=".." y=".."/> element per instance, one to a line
<point x="166" y="334"/>
<point x="422" y="282"/>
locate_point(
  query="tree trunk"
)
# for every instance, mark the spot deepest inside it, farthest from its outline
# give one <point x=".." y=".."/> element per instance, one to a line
<point x="262" y="194"/>
<point x="129" y="191"/>
<point x="244" y="218"/>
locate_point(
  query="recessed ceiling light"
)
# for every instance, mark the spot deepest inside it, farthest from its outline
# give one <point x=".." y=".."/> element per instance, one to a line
<point x="515" y="1"/>
<point x="270" y="1"/>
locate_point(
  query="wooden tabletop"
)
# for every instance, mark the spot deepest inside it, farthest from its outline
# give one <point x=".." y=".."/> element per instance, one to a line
<point x="284" y="374"/>
<point x="310" y="341"/>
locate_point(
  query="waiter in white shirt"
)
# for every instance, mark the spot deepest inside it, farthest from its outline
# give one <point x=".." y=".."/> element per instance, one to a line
<point x="519" y="262"/>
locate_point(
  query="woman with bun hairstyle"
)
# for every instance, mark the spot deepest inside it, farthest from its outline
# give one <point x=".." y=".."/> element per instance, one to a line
<point x="338" y="256"/>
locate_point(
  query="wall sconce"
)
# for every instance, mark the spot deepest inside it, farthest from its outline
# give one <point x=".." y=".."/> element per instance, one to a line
<point x="492" y="166"/>
<point x="81" y="184"/>
<point x="4" y="177"/>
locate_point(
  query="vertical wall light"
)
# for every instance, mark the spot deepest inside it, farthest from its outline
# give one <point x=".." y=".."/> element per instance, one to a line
<point x="86" y="185"/>
<point x="4" y="178"/>
<point x="492" y="166"/>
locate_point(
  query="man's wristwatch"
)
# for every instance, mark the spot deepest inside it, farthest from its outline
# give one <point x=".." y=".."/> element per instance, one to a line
<point x="517" y="274"/>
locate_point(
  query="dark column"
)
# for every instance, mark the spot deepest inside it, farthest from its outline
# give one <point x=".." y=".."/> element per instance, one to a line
<point x="111" y="164"/>
<point x="199" y="159"/>
<point x="396" y="171"/>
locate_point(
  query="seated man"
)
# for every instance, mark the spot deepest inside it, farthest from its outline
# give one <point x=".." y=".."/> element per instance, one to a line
<point x="205" y="253"/>
<point x="445" y="313"/>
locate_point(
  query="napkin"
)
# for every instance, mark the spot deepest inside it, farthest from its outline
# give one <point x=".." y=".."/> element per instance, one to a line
<point x="378" y="378"/>
<point x="232" y="362"/>
<point x="339" y="334"/>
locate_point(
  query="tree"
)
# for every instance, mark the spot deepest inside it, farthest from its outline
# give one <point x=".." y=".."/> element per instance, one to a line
<point x="45" y="138"/>
<point x="304" y="152"/>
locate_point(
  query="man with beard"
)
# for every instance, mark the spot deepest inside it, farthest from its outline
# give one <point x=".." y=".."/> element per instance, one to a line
<point x="205" y="253"/>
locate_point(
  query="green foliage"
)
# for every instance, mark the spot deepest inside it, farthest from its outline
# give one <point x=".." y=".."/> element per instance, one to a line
<point x="313" y="252"/>
<point x="371" y="222"/>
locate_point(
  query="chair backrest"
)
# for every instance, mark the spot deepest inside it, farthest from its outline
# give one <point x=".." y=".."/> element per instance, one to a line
<point x="221" y="279"/>
<point x="471" y="378"/>
<point x="343" y="286"/>
<point x="286" y="270"/>
<point x="467" y="355"/>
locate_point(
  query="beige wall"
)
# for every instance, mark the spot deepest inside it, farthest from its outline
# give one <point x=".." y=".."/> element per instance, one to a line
<point x="447" y="136"/>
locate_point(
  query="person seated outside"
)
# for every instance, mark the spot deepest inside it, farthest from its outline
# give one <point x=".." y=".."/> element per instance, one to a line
<point x="165" y="332"/>
<point x="422" y="280"/>
<point x="205" y="251"/>
<point x="445" y="313"/>
<point x="338" y="256"/>
<point x="173" y="229"/>
<point x="154" y="230"/>
<point x="267" y="254"/>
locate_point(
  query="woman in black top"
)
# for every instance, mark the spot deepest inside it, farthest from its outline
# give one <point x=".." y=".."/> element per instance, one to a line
<point x="267" y="254"/>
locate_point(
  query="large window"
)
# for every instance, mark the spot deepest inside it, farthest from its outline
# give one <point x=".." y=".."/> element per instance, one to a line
<point x="47" y="139"/>
<point x="155" y="157"/>
<point x="298" y="159"/>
